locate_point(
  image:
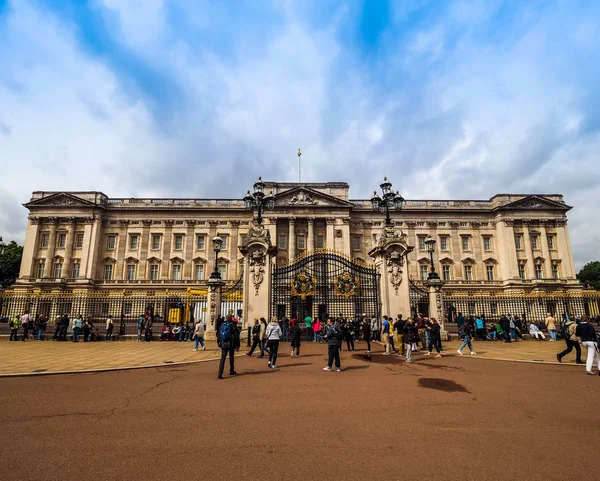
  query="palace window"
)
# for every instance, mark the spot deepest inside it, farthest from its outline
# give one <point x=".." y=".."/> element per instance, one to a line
<point x="154" y="272"/>
<point x="40" y="269"/>
<point x="130" y="272"/>
<point x="222" y="268"/>
<point x="128" y="308"/>
<point x="487" y="243"/>
<point x="421" y="240"/>
<point x="465" y="242"/>
<point x="110" y="242"/>
<point x="424" y="271"/>
<point x="468" y="273"/>
<point x="320" y="241"/>
<point x="518" y="241"/>
<point x="446" y="273"/>
<point x="538" y="270"/>
<point x="444" y="242"/>
<point x="200" y="242"/>
<point x="58" y="269"/>
<point x="282" y="242"/>
<point x="61" y="240"/>
<point x="301" y="242"/>
<point x="44" y="240"/>
<point x="355" y="242"/>
<point x="225" y="241"/>
<point x="522" y="270"/>
<point x="550" y="239"/>
<point x="534" y="241"/>
<point x="176" y="272"/>
<point x="178" y="244"/>
<point x="76" y="268"/>
<point x="199" y="272"/>
<point x="133" y="242"/>
<point x="79" y="240"/>
<point x="555" y="270"/>
<point x="490" y="272"/>
<point x="108" y="272"/>
<point x="155" y="242"/>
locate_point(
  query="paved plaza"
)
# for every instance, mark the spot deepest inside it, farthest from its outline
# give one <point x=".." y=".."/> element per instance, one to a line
<point x="380" y="418"/>
<point x="35" y="358"/>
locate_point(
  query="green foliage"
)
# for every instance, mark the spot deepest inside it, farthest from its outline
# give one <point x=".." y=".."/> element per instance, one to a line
<point x="10" y="263"/>
<point x="590" y="274"/>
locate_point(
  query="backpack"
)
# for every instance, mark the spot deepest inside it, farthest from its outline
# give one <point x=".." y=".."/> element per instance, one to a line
<point x="226" y="331"/>
<point x="339" y="335"/>
<point x="564" y="331"/>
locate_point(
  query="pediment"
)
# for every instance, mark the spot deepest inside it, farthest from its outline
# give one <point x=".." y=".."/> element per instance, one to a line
<point x="307" y="197"/>
<point x="60" y="199"/>
<point x="131" y="259"/>
<point x="199" y="260"/>
<point x="446" y="260"/>
<point x="468" y="260"/>
<point x="154" y="260"/>
<point x="535" y="202"/>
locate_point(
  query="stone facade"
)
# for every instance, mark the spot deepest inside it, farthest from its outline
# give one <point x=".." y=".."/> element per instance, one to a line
<point x="86" y="240"/>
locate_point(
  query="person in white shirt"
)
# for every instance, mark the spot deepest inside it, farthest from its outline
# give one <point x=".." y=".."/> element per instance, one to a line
<point x="535" y="332"/>
<point x="273" y="335"/>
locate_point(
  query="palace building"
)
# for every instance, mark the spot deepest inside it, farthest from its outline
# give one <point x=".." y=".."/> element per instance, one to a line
<point x="86" y="240"/>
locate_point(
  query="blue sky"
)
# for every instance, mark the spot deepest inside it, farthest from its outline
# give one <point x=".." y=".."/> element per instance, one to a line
<point x="450" y="99"/>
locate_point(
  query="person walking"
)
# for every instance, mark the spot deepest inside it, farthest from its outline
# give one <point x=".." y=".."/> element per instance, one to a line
<point x="551" y="326"/>
<point x="366" y="330"/>
<point x="295" y="337"/>
<point x="435" y="339"/>
<point x="465" y="333"/>
<point x="505" y="325"/>
<point x="375" y="328"/>
<point x="14" y="329"/>
<point x="399" y="328"/>
<point x="317" y="330"/>
<point x="308" y="325"/>
<point x="26" y="324"/>
<point x="587" y="336"/>
<point x="571" y="340"/>
<point x="228" y="339"/>
<point x="385" y="336"/>
<point x="77" y="325"/>
<point x="256" y="339"/>
<point x="334" y="338"/>
<point x="410" y="337"/>
<point x="346" y="330"/>
<point x="273" y="335"/>
<point x="140" y="327"/>
<point x="109" y="328"/>
<point x="43" y="323"/>
<point x="263" y="337"/>
<point x="199" y="330"/>
<point x="421" y="329"/>
<point x="148" y="328"/>
<point x="87" y="328"/>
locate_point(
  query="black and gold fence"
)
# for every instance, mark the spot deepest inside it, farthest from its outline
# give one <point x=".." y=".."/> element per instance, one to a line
<point x="529" y="306"/>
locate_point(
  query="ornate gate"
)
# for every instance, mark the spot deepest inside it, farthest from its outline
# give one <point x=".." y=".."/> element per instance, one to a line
<point x="419" y="299"/>
<point x="325" y="283"/>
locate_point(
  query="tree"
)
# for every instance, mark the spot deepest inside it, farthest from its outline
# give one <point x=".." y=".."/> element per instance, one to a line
<point x="10" y="263"/>
<point x="590" y="274"/>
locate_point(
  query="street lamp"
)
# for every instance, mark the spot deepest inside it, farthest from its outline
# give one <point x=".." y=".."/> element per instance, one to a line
<point x="388" y="200"/>
<point x="217" y="243"/>
<point x="2" y="246"/>
<point x="430" y="243"/>
<point x="259" y="200"/>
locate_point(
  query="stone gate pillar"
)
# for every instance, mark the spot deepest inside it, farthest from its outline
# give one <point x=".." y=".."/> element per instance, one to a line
<point x="259" y="257"/>
<point x="389" y="255"/>
<point x="436" y="303"/>
<point x="213" y="304"/>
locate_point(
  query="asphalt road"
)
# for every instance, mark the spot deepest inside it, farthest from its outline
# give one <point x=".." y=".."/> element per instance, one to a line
<point x="451" y="418"/>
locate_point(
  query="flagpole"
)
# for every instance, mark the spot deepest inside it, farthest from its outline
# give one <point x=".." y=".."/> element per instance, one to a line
<point x="299" y="167"/>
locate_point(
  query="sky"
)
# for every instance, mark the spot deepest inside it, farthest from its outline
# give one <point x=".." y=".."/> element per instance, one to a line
<point x="450" y="99"/>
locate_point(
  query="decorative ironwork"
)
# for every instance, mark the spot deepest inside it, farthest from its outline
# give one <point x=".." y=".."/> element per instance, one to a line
<point x="419" y="298"/>
<point x="347" y="285"/>
<point x="304" y="285"/>
<point x="322" y="283"/>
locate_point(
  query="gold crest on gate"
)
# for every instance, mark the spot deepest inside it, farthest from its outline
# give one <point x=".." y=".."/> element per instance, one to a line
<point x="347" y="285"/>
<point x="304" y="285"/>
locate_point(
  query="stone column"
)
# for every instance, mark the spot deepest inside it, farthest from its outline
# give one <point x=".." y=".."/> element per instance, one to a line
<point x="30" y="249"/>
<point x="529" y="267"/>
<point x="92" y="247"/>
<point x="210" y="251"/>
<point x="547" y="267"/>
<point x="436" y="304"/>
<point x="188" y="268"/>
<point x="49" y="266"/>
<point x="459" y="272"/>
<point x="564" y="250"/>
<point x="330" y="240"/>
<point x="213" y="311"/>
<point x="142" y="270"/>
<point x="346" y="237"/>
<point x="506" y="251"/>
<point x="69" y="248"/>
<point x="123" y="240"/>
<point x="311" y="234"/>
<point x="166" y="250"/>
<point x="292" y="238"/>
<point x="233" y="246"/>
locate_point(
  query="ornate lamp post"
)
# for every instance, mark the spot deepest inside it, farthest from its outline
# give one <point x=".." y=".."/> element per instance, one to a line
<point x="217" y="243"/>
<point x="430" y="243"/>
<point x="258" y="199"/>
<point x="388" y="200"/>
<point x="2" y="246"/>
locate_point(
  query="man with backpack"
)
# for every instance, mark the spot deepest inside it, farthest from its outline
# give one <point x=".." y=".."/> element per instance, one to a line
<point x="228" y="339"/>
<point x="256" y="339"/>
<point x="334" y="340"/>
<point x="568" y="334"/>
